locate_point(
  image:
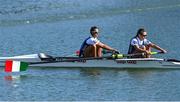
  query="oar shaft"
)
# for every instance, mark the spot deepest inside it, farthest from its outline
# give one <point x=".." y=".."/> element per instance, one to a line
<point x="126" y="55"/>
<point x="131" y="55"/>
<point x="73" y="59"/>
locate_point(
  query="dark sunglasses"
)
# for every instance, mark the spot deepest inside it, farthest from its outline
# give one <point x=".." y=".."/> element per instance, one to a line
<point x="96" y="32"/>
<point x="143" y="35"/>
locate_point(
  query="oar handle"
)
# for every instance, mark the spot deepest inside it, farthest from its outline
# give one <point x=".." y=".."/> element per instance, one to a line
<point x="154" y="53"/>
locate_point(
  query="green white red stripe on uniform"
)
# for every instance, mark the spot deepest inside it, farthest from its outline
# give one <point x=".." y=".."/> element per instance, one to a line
<point x="15" y="66"/>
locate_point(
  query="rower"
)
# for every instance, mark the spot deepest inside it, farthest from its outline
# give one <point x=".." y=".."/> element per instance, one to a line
<point x="139" y="44"/>
<point x="92" y="47"/>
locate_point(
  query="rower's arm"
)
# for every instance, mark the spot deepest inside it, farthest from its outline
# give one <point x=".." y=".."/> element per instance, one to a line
<point x="157" y="47"/>
<point x="139" y="49"/>
<point x="105" y="46"/>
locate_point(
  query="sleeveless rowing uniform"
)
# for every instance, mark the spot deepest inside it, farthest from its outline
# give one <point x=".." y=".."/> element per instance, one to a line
<point x="87" y="42"/>
<point x="136" y="41"/>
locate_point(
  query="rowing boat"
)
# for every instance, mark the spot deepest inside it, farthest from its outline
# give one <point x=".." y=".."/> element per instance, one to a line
<point x="43" y="60"/>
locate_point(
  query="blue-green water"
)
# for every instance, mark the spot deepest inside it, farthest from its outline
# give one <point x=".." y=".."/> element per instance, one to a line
<point x="57" y="27"/>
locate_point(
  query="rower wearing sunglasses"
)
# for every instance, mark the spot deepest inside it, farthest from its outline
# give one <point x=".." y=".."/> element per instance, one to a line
<point x="139" y="44"/>
<point x="92" y="47"/>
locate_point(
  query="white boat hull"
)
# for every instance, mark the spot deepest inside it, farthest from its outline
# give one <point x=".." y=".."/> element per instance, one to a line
<point x="125" y="63"/>
<point x="96" y="63"/>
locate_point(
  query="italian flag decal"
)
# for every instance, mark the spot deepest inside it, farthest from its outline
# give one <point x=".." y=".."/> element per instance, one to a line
<point x="15" y="66"/>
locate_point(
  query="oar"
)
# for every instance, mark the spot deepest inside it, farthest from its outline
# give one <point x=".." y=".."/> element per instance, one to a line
<point x="131" y="55"/>
<point x="104" y="51"/>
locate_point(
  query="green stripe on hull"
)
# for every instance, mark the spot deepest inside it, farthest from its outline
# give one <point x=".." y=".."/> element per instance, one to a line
<point x="23" y="66"/>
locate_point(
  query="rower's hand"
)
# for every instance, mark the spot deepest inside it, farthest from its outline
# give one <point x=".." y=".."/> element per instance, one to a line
<point x="147" y="52"/>
<point x="164" y="51"/>
<point x="115" y="52"/>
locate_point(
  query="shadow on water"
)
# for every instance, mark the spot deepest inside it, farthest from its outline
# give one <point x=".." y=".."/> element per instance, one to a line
<point x="140" y="73"/>
<point x="133" y="73"/>
<point x="97" y="71"/>
<point x="90" y="72"/>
